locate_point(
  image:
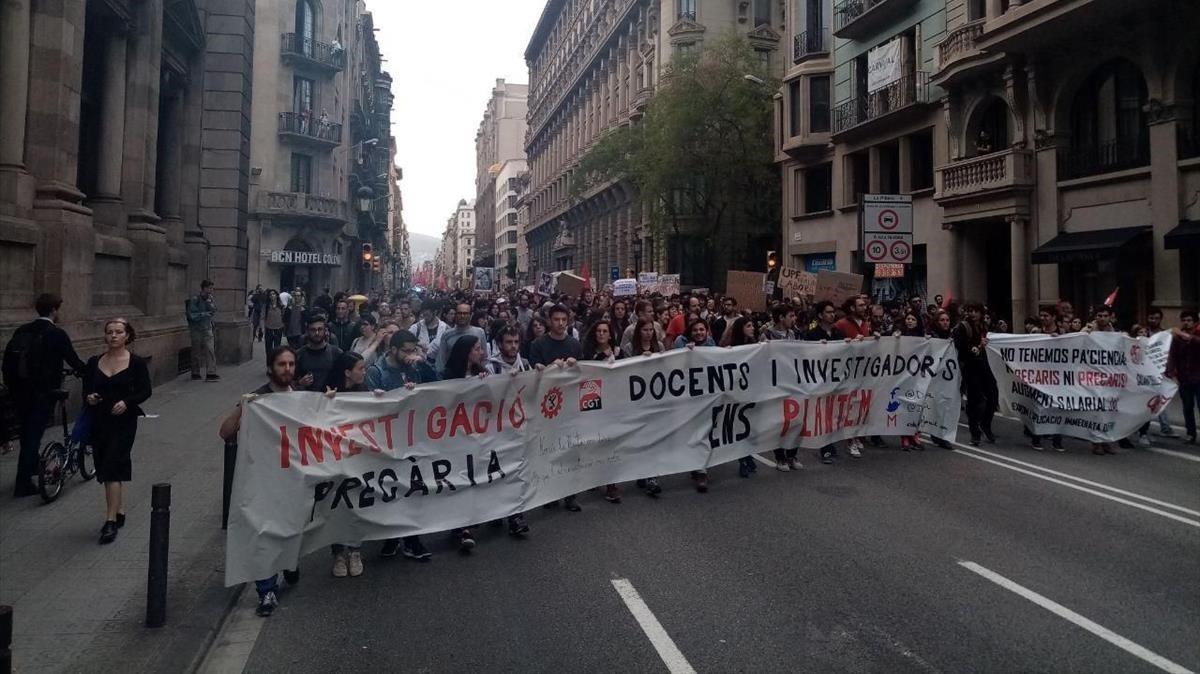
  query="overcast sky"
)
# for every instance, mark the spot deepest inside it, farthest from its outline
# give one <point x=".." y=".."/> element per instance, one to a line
<point x="444" y="58"/>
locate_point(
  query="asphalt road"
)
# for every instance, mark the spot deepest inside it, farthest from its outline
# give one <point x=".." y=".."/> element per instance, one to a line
<point x="934" y="561"/>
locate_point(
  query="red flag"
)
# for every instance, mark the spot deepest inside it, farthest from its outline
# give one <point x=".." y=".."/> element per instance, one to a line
<point x="1112" y="297"/>
<point x="586" y="274"/>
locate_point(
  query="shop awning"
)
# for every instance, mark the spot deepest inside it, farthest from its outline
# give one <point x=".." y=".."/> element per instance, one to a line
<point x="1185" y="235"/>
<point x="1086" y="246"/>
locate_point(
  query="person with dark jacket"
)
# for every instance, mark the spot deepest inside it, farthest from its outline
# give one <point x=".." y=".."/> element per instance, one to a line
<point x="344" y="329"/>
<point x="825" y="331"/>
<point x="33" y="364"/>
<point x="116" y="384"/>
<point x="1183" y="365"/>
<point x="403" y="363"/>
<point x="970" y="339"/>
<point x="314" y="361"/>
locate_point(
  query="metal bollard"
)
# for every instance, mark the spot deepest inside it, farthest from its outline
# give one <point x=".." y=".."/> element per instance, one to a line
<point x="6" y="620"/>
<point x="227" y="481"/>
<point x="160" y="538"/>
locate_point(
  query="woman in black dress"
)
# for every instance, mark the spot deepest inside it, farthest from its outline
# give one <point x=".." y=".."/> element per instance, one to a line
<point x="116" y="384"/>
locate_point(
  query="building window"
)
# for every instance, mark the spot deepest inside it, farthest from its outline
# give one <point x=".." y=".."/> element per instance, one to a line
<point x="510" y="237"/>
<point x="920" y="158"/>
<point x="301" y="173"/>
<point x="889" y="167"/>
<point x="795" y="106"/>
<point x="306" y="25"/>
<point x="686" y="9"/>
<point x="764" y="58"/>
<point x="818" y="104"/>
<point x="303" y="97"/>
<point x="1108" y="123"/>
<point x="818" y="189"/>
<point x="797" y="183"/>
<point x="762" y="12"/>
<point x="976" y="9"/>
<point x="858" y="177"/>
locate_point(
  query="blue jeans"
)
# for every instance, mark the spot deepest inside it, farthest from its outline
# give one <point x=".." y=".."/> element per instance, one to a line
<point x="267" y="585"/>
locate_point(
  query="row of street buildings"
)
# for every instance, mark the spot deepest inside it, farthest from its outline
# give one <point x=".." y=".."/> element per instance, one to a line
<point x="150" y="144"/>
<point x="1051" y="147"/>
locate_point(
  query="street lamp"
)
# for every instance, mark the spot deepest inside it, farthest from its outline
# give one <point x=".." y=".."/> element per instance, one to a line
<point x="755" y="80"/>
<point x="366" y="196"/>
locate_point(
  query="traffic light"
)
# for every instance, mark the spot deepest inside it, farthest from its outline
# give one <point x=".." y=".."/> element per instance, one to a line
<point x="772" y="260"/>
<point x="367" y="256"/>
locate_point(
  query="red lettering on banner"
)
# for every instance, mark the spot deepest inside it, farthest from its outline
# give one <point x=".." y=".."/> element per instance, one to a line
<point x="367" y="428"/>
<point x="310" y="443"/>
<point x="460" y="420"/>
<point x="435" y="425"/>
<point x="791" y="410"/>
<point x="516" y="413"/>
<point x="412" y="421"/>
<point x="481" y="422"/>
<point x="285" y="448"/>
<point x="335" y="443"/>
<point x="500" y="416"/>
<point x="387" y="429"/>
<point x="352" y="447"/>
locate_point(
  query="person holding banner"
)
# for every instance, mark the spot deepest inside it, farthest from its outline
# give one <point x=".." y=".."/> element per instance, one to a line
<point x="697" y="336"/>
<point x="598" y="345"/>
<point x="825" y="331"/>
<point x="970" y="338"/>
<point x="1183" y="365"/>
<point x="556" y="347"/>
<point x="281" y="370"/>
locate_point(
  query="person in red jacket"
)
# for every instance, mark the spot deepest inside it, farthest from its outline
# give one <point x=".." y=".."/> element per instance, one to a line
<point x="855" y="323"/>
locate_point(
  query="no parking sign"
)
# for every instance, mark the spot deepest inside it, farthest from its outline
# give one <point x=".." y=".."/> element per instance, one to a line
<point x="887" y="228"/>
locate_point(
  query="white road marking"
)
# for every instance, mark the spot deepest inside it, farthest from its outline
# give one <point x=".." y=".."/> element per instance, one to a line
<point x="1081" y="480"/>
<point x="1076" y="619"/>
<point x="1175" y="453"/>
<point x="671" y="656"/>
<point x="1086" y="490"/>
<point x="765" y="462"/>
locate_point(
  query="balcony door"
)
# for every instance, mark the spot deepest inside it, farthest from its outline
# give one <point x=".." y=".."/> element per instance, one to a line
<point x="814" y="23"/>
<point x="303" y="95"/>
<point x="306" y="26"/>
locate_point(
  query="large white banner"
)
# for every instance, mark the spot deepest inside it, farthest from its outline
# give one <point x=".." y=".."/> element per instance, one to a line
<point x="313" y="471"/>
<point x="883" y="65"/>
<point x="1099" y="386"/>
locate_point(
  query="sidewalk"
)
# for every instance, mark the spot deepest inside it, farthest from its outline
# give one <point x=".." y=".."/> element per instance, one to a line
<point x="80" y="606"/>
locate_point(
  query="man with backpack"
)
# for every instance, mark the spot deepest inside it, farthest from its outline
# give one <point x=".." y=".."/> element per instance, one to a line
<point x="33" y="364"/>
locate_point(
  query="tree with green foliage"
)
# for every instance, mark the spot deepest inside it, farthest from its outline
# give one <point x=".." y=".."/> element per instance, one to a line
<point x="702" y="160"/>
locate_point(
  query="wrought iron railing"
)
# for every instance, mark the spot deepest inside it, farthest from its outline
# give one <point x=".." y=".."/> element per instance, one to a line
<point x="1081" y="159"/>
<point x="909" y="90"/>
<point x="324" y="54"/>
<point x="808" y="43"/>
<point x="306" y="124"/>
<point x="847" y="11"/>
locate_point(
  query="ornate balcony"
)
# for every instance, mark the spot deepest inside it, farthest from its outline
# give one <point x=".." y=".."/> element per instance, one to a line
<point x="857" y="19"/>
<point x="809" y="44"/>
<point x="1003" y="178"/>
<point x="302" y="208"/>
<point x="1080" y="160"/>
<point x="896" y="100"/>
<point x="959" y="52"/>
<point x="297" y="50"/>
<point x="1018" y="26"/>
<point x="305" y="128"/>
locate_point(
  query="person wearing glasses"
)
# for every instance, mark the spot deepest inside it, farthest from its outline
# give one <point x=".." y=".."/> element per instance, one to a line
<point x="403" y="364"/>
<point x="462" y="327"/>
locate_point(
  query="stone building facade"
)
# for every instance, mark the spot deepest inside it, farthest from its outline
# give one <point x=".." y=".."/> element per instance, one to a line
<point x="322" y="151"/>
<point x="594" y="66"/>
<point x="1062" y="136"/>
<point x="124" y="167"/>
<point x="500" y="139"/>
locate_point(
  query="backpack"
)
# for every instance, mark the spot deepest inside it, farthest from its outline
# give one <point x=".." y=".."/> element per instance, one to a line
<point x="22" y="357"/>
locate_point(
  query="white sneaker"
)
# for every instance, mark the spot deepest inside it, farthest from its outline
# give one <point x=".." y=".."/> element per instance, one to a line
<point x="782" y="467"/>
<point x="794" y="464"/>
<point x="355" y="564"/>
<point x="856" y="450"/>
<point x="340" y="569"/>
<point x="1143" y="441"/>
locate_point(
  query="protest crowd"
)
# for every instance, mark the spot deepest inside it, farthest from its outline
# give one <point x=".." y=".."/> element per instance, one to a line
<point x="342" y="342"/>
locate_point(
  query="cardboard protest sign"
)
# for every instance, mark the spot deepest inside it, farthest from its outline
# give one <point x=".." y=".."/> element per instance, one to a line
<point x="668" y="284"/>
<point x="313" y="471"/>
<point x="545" y="283"/>
<point x="747" y="288"/>
<point x="797" y="283"/>
<point x="484" y="279"/>
<point x="570" y="284"/>
<point x="837" y="286"/>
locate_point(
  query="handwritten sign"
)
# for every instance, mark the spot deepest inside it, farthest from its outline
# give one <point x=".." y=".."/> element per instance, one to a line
<point x="747" y="288"/>
<point x="624" y="287"/>
<point x="837" y="286"/>
<point x="797" y="283"/>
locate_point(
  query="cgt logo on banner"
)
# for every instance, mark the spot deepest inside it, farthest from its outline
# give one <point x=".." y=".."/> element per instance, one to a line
<point x="1099" y="386"/>
<point x="314" y="471"/>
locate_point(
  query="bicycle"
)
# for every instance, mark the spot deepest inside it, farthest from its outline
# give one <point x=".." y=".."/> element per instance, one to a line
<point x="61" y="460"/>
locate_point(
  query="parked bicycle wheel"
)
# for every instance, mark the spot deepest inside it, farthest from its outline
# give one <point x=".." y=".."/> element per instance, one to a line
<point x="51" y="466"/>
<point x="86" y="463"/>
